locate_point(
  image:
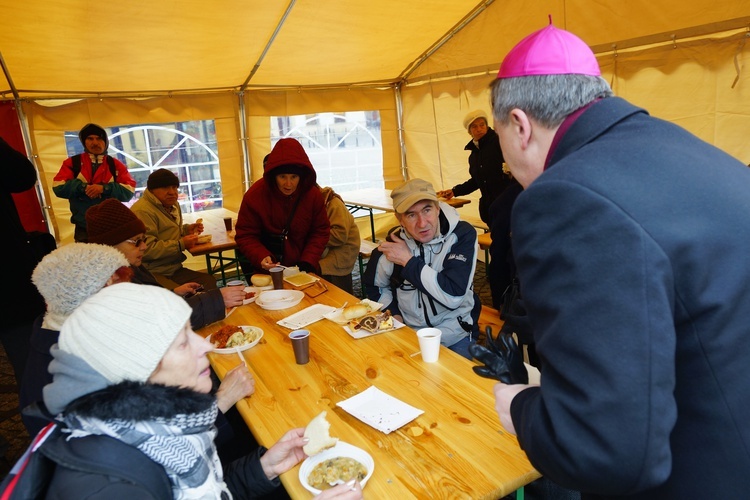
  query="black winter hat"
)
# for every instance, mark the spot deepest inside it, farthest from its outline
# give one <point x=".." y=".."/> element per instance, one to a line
<point x="161" y="178"/>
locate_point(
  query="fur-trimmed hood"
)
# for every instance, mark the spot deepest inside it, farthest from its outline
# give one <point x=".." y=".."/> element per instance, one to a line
<point x="140" y="401"/>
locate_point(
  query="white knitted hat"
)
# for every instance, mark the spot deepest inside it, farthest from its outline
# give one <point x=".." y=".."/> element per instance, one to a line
<point x="72" y="273"/>
<point x="124" y="330"/>
<point x="473" y="115"/>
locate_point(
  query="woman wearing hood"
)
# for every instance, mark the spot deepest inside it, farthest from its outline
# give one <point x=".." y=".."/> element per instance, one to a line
<point x="282" y="217"/>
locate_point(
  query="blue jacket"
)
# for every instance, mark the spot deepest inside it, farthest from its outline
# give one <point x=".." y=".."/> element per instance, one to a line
<point x="438" y="281"/>
<point x="632" y="250"/>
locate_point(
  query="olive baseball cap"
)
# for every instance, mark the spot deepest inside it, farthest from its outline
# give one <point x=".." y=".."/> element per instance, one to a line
<point x="410" y="193"/>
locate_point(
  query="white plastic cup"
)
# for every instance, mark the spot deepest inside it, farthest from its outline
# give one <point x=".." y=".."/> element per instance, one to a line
<point x="429" y="344"/>
<point x="236" y="283"/>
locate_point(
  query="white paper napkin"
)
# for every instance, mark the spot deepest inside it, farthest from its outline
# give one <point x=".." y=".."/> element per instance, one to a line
<point x="379" y="410"/>
<point x="306" y="316"/>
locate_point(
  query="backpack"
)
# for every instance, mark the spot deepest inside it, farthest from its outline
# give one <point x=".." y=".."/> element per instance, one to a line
<point x="76" y="166"/>
<point x="30" y="477"/>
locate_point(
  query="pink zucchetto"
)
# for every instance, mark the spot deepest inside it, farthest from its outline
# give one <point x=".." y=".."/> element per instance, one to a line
<point x="549" y="51"/>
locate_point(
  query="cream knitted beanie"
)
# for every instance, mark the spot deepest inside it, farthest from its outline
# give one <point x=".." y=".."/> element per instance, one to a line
<point x="124" y="330"/>
<point x="72" y="273"/>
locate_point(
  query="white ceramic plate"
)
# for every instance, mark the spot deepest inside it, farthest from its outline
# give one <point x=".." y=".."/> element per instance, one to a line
<point x="249" y="289"/>
<point x="274" y="300"/>
<point x="341" y="449"/>
<point x="232" y="350"/>
<point x="337" y="316"/>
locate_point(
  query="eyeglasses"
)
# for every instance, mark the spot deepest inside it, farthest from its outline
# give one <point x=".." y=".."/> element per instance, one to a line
<point x="137" y="242"/>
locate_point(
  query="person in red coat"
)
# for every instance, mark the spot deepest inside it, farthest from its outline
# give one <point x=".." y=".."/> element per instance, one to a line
<point x="282" y="217"/>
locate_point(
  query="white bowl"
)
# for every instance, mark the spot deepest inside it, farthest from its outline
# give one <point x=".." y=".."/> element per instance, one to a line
<point x="274" y="300"/>
<point x="341" y="449"/>
<point x="244" y="347"/>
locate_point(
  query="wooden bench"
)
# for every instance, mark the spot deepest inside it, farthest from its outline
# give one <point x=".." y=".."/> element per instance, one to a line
<point x="365" y="250"/>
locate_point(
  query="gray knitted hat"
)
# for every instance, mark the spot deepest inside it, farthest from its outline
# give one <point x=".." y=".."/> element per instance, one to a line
<point x="72" y="273"/>
<point x="124" y="330"/>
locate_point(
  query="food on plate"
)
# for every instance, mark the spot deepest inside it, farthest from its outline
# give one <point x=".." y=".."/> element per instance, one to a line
<point x="326" y="474"/>
<point x="355" y="311"/>
<point x="260" y="279"/>
<point x="233" y="336"/>
<point x="359" y="309"/>
<point x="300" y="279"/>
<point x="374" y="323"/>
<point x="249" y="295"/>
<point x="204" y="238"/>
<point x="317" y="432"/>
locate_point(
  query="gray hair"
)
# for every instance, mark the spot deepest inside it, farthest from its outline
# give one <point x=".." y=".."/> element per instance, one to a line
<point x="547" y="99"/>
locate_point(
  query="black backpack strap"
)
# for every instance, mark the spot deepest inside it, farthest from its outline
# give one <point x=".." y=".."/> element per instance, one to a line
<point x="112" y="167"/>
<point x="76" y="165"/>
<point x="108" y="456"/>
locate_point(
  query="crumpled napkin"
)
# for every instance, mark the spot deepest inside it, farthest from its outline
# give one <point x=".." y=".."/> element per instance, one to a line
<point x="380" y="410"/>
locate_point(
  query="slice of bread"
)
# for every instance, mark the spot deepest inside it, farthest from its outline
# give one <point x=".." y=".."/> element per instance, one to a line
<point x="317" y="432"/>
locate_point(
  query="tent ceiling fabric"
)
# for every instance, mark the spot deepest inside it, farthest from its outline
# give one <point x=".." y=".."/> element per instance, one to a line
<point x="144" y="46"/>
<point x="68" y="48"/>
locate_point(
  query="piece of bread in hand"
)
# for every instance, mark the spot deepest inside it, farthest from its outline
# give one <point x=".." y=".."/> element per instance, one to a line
<point x="317" y="432"/>
<point x="260" y="280"/>
<point x="355" y="311"/>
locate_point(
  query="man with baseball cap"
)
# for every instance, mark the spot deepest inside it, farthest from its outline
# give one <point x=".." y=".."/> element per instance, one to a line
<point x="89" y="178"/>
<point x="631" y="241"/>
<point x="424" y="272"/>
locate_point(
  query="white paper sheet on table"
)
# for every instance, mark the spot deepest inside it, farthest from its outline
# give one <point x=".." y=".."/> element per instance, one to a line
<point x="379" y="410"/>
<point x="306" y="316"/>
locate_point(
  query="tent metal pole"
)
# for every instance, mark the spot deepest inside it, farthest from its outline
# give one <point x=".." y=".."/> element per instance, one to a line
<point x="243" y="141"/>
<point x="24" y="125"/>
<point x="400" y="123"/>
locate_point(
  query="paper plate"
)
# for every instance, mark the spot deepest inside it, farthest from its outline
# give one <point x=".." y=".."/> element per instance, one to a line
<point x="300" y="279"/>
<point x="341" y="449"/>
<point x="244" y="347"/>
<point x="273" y="300"/>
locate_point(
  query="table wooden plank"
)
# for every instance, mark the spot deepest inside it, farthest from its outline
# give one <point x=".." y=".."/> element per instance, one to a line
<point x="462" y="450"/>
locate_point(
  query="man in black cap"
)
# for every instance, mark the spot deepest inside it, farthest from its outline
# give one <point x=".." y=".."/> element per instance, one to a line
<point x="89" y="178"/>
<point x="167" y="237"/>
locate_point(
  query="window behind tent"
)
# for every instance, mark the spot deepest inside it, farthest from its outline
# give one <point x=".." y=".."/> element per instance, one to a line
<point x="345" y="148"/>
<point x="188" y="149"/>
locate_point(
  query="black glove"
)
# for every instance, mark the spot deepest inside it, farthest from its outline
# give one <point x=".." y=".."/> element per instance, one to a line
<point x="503" y="360"/>
<point x="308" y="268"/>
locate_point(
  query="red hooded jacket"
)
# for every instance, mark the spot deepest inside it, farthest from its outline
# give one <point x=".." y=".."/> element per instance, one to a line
<point x="266" y="210"/>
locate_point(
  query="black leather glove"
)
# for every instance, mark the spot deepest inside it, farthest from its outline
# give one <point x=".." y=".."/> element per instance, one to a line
<point x="502" y="359"/>
<point x="308" y="268"/>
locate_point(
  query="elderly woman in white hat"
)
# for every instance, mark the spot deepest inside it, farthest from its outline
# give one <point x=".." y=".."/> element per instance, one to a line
<point x="129" y="366"/>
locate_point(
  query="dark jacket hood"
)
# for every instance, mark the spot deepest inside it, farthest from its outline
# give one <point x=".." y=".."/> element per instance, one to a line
<point x="93" y="129"/>
<point x="287" y="152"/>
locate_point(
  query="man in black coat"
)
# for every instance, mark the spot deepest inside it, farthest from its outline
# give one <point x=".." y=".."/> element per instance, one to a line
<point x="631" y="239"/>
<point x="485" y="165"/>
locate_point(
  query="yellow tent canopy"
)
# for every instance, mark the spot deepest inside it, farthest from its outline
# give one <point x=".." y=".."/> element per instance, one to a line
<point x="421" y="63"/>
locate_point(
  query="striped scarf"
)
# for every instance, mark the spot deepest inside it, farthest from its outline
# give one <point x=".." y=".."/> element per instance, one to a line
<point x="182" y="444"/>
